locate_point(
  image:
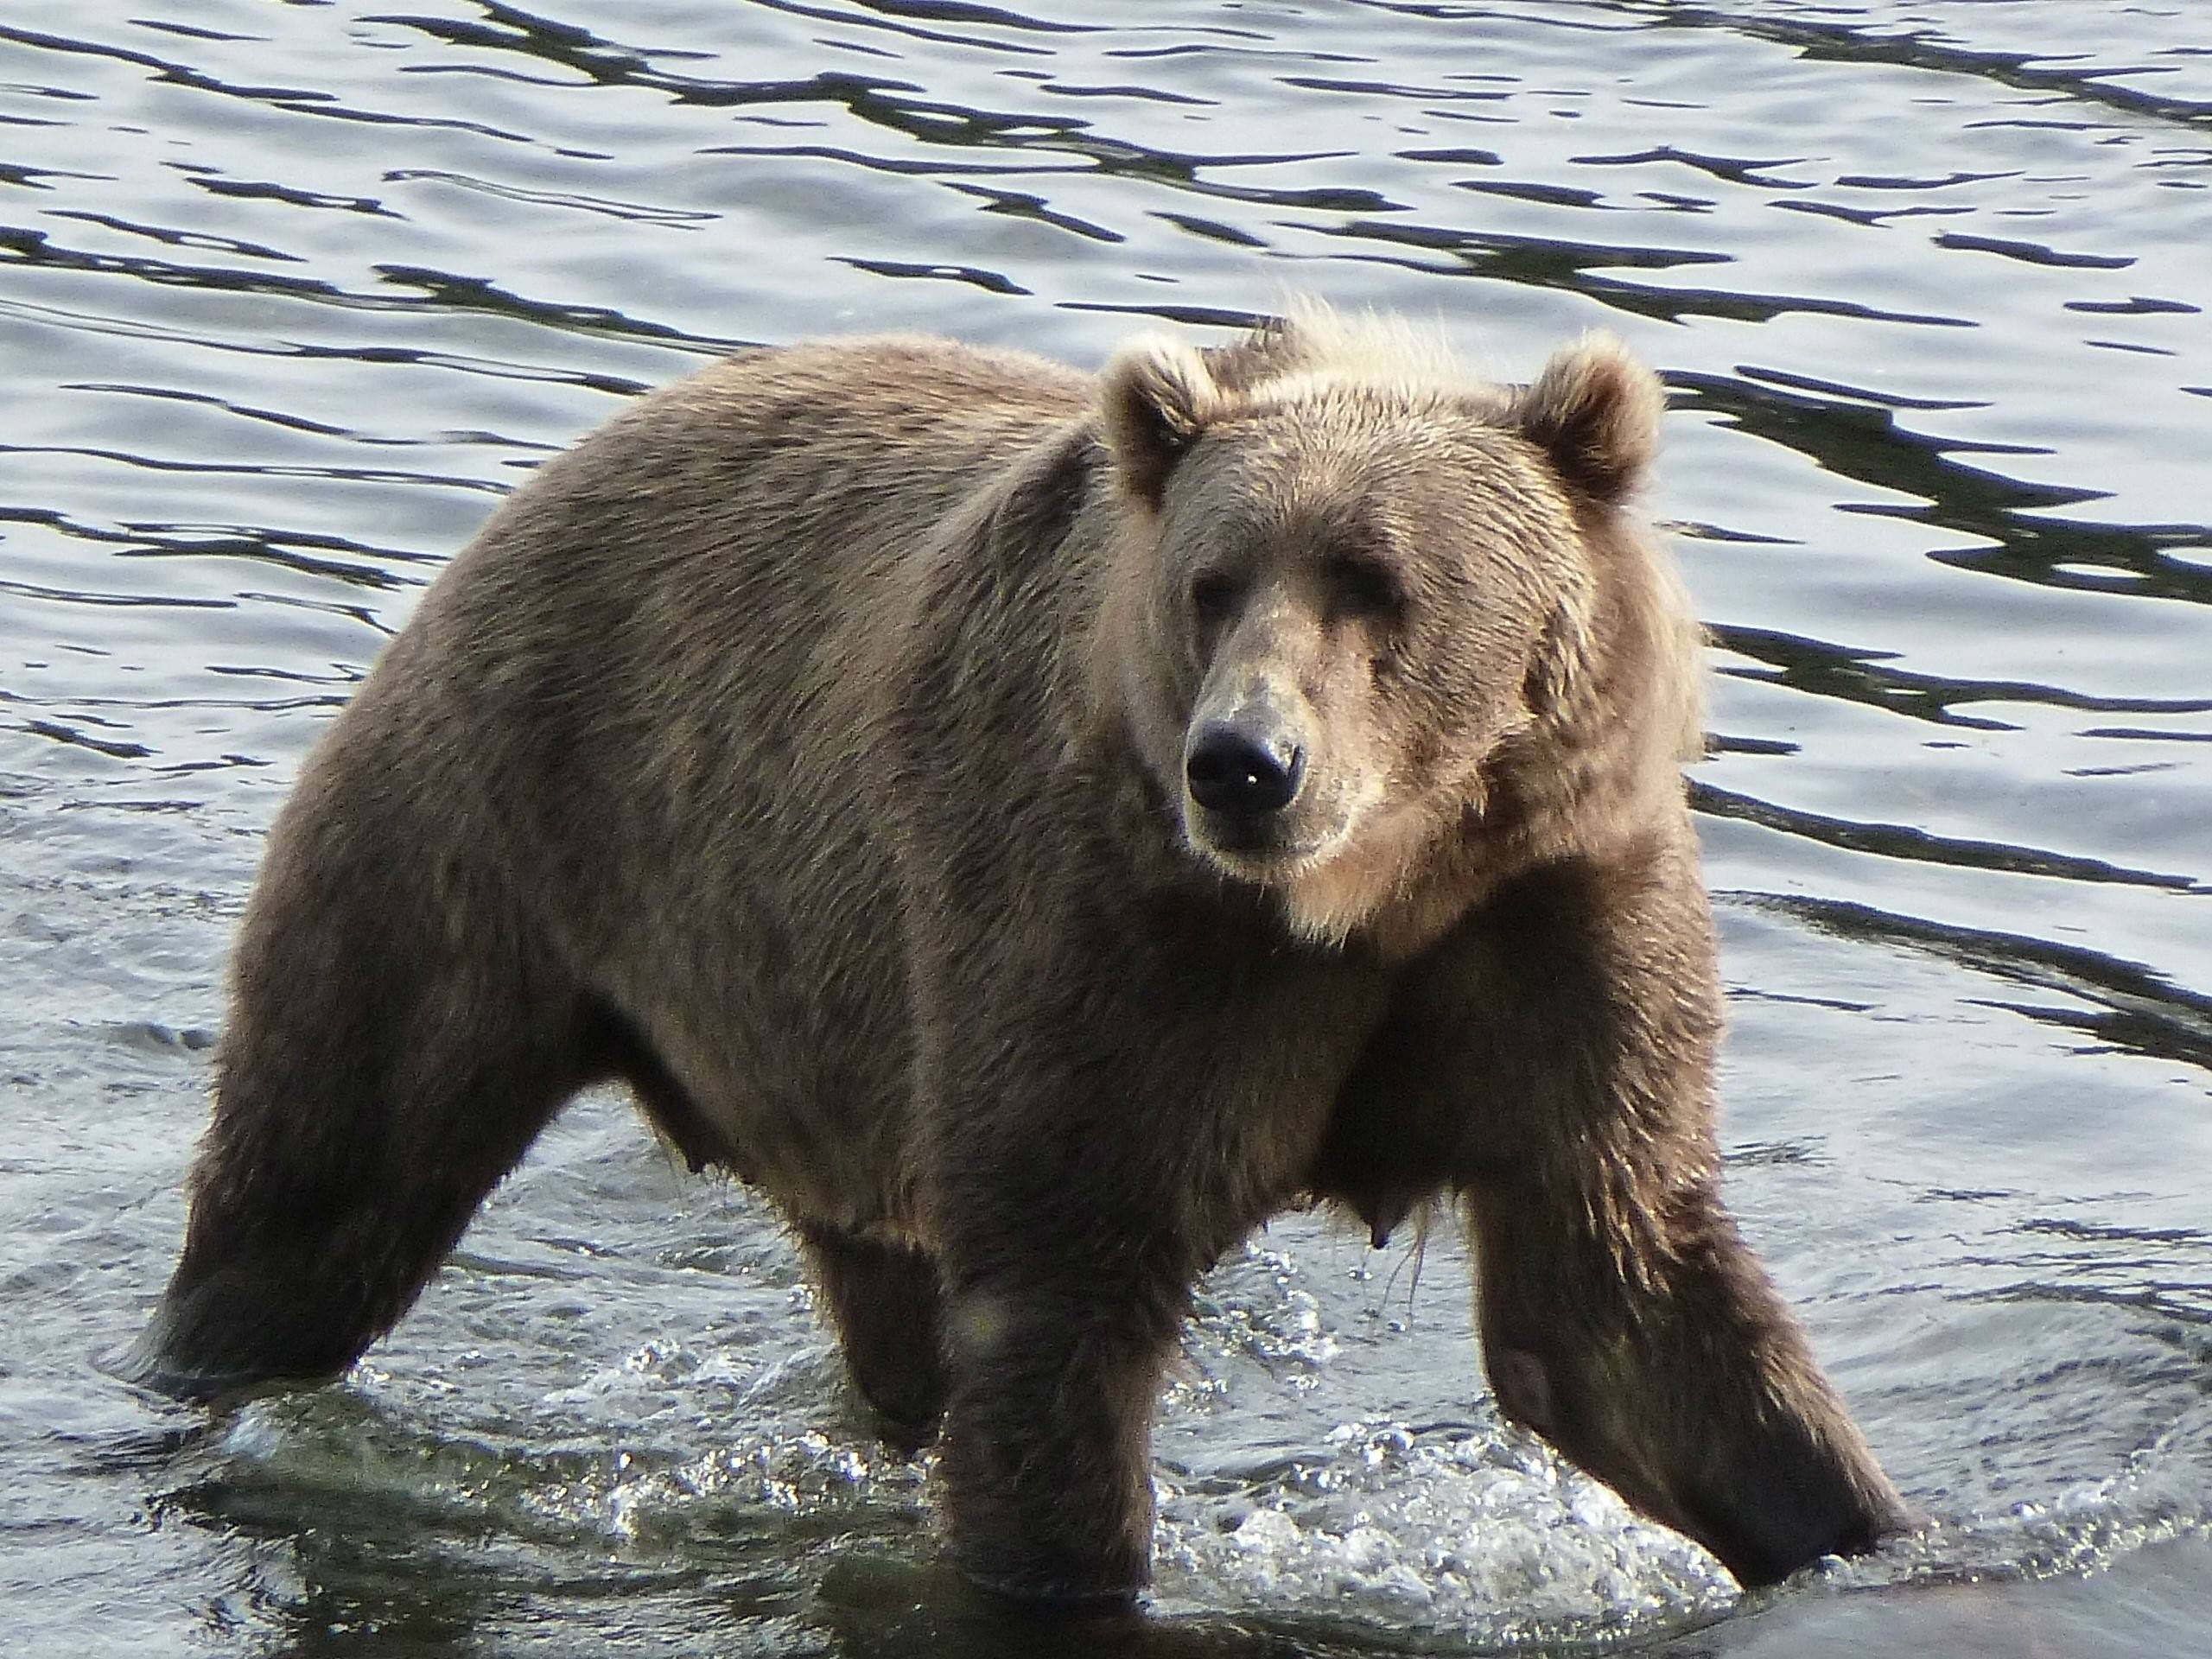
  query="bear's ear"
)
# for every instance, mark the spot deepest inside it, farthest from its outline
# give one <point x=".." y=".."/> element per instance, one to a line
<point x="1595" y="412"/>
<point x="1154" y="398"/>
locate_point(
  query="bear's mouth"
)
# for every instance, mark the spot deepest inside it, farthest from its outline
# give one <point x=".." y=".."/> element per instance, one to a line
<point x="1260" y="850"/>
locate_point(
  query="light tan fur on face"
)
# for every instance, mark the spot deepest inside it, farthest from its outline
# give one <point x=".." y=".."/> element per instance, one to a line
<point x="1328" y="901"/>
<point x="1415" y="823"/>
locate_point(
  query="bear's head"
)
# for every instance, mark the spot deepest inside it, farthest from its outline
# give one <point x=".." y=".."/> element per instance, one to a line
<point x="1372" y="610"/>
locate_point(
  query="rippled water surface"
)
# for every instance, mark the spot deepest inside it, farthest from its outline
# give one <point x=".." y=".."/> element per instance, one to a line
<point x="289" y="293"/>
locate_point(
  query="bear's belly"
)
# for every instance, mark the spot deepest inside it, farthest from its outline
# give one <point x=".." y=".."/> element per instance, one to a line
<point x="779" y="1013"/>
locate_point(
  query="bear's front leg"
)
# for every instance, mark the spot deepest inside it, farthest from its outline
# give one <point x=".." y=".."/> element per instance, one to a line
<point x="1654" y="1353"/>
<point x="1047" y="1448"/>
<point x="1622" y="1315"/>
<point x="1105" y="1113"/>
<point x="1067" y="1236"/>
<point x="1555" y="1057"/>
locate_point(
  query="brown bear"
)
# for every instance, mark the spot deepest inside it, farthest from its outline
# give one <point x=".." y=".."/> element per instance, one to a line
<point x="1036" y="828"/>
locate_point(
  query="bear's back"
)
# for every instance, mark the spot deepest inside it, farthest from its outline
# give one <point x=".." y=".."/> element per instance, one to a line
<point x="652" y="684"/>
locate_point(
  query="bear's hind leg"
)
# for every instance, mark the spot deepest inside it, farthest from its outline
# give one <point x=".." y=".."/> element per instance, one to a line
<point x="888" y="1305"/>
<point x="370" y="1092"/>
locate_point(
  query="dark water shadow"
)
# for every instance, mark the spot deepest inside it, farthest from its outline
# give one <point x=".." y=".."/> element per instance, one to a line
<point x="1905" y="840"/>
<point x="1921" y="47"/>
<point x="875" y="1608"/>
<point x="2133" y="1007"/>
<point x="1854" y="435"/>
<point x="1872" y="679"/>
<point x="2145" y="1603"/>
<point x="330" y="1569"/>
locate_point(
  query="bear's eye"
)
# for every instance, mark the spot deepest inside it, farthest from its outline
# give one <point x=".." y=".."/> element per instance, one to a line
<point x="1211" y="595"/>
<point x="1361" y="587"/>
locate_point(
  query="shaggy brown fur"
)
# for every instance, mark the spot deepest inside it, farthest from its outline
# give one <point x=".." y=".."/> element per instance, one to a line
<point x="822" y="748"/>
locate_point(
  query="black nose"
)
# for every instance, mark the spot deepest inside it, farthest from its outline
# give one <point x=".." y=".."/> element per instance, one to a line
<point x="1233" y="770"/>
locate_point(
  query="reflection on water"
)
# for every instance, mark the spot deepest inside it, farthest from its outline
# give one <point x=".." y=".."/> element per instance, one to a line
<point x="289" y="295"/>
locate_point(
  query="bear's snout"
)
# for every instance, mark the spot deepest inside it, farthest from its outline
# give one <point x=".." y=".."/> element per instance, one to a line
<point x="1246" y="770"/>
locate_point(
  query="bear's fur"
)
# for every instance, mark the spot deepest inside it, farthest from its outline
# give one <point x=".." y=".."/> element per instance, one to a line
<point x="833" y="747"/>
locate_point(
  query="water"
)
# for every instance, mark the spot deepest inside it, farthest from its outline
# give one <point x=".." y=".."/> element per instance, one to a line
<point x="289" y="293"/>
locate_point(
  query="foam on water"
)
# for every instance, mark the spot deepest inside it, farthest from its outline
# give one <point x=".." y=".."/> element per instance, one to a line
<point x="687" y="1458"/>
<point x="1482" y="1532"/>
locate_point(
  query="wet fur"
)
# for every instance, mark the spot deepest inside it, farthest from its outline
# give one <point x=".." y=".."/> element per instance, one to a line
<point x="803" y="748"/>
